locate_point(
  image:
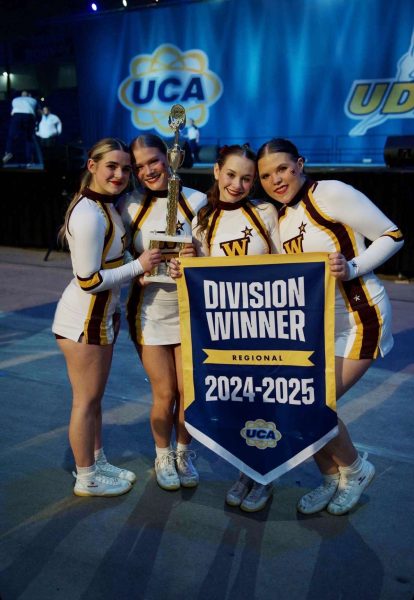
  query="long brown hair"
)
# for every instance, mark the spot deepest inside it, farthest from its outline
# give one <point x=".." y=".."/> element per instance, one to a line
<point x="213" y="194"/>
<point x="96" y="153"/>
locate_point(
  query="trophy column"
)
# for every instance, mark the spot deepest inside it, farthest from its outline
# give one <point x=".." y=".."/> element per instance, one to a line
<point x="169" y="242"/>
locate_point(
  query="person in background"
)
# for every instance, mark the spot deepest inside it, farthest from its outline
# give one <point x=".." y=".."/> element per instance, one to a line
<point x="49" y="128"/>
<point x="193" y="136"/>
<point x="87" y="316"/>
<point x="333" y="217"/>
<point x="152" y="310"/>
<point x="21" y="128"/>
<point x="230" y="213"/>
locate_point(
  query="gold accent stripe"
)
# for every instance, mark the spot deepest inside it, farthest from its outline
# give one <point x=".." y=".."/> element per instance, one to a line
<point x="291" y="358"/>
<point x="90" y="283"/>
<point x="395" y="234"/>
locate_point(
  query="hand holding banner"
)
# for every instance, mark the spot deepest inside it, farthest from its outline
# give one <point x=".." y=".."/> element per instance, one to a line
<point x="258" y="358"/>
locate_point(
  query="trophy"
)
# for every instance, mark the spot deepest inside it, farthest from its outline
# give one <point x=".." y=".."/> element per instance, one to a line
<point x="169" y="242"/>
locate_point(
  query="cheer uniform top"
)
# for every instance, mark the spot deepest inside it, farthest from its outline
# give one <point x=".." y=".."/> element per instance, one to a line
<point x="152" y="310"/>
<point x="96" y="238"/>
<point x="242" y="228"/>
<point x="331" y="216"/>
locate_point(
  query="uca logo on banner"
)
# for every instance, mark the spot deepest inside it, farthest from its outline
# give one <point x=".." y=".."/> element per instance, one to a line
<point x="165" y="77"/>
<point x="374" y="101"/>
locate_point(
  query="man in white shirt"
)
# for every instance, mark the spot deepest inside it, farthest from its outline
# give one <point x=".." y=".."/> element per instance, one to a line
<point x="49" y="128"/>
<point x="22" y="125"/>
<point x="193" y="136"/>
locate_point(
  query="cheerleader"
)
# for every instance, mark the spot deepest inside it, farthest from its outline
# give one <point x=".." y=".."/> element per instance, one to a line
<point x="231" y="224"/>
<point x="152" y="310"/>
<point x="330" y="216"/>
<point x="86" y="321"/>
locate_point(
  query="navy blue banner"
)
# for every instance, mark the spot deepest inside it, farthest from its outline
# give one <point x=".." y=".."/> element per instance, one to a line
<point x="258" y="358"/>
<point x="337" y="77"/>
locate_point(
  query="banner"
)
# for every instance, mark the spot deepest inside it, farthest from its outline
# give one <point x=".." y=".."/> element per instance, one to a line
<point x="258" y="358"/>
<point x="343" y="92"/>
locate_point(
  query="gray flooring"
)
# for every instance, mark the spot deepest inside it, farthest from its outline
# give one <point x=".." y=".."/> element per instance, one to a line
<point x="155" y="545"/>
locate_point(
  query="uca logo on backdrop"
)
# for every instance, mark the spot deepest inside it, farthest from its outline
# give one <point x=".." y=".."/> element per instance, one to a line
<point x="165" y="77"/>
<point x="374" y="101"/>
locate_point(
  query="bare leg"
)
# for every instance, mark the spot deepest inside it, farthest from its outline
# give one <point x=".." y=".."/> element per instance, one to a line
<point x="340" y="451"/>
<point x="182" y="435"/>
<point x="88" y="369"/>
<point x="159" y="363"/>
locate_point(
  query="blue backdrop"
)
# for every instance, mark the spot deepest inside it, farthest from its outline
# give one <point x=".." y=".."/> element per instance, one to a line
<point x="336" y="77"/>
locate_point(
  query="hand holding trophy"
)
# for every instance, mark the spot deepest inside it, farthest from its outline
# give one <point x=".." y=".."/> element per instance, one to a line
<point x="170" y="243"/>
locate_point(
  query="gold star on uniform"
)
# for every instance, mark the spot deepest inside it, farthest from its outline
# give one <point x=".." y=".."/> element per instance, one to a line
<point x="247" y="232"/>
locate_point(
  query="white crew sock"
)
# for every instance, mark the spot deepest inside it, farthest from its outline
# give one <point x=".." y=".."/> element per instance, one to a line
<point x="353" y="469"/>
<point x="182" y="447"/>
<point x="162" y="451"/>
<point x="86" y="473"/>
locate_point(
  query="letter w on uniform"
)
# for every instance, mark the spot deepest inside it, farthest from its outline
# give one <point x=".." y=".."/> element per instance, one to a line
<point x="294" y="245"/>
<point x="235" y="247"/>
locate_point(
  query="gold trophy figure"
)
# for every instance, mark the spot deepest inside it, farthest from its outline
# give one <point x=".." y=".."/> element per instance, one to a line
<point x="169" y="242"/>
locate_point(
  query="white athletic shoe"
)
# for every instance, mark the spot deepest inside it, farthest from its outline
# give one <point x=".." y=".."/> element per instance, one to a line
<point x="167" y="477"/>
<point x="187" y="473"/>
<point x="319" y="498"/>
<point x="350" y="488"/>
<point x="105" y="468"/>
<point x="239" y="490"/>
<point x="257" y="497"/>
<point x="101" y="486"/>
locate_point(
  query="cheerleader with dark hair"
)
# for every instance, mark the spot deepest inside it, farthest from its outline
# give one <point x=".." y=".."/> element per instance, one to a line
<point x="232" y="224"/>
<point x="331" y="216"/>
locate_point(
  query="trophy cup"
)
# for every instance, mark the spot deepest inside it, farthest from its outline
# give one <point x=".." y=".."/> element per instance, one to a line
<point x="169" y="242"/>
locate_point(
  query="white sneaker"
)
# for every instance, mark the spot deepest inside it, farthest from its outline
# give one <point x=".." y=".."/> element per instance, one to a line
<point x="105" y="468"/>
<point x="166" y="473"/>
<point x="187" y="473"/>
<point x="239" y="490"/>
<point x="257" y="497"/>
<point x="101" y="486"/>
<point x="319" y="498"/>
<point x="350" y="488"/>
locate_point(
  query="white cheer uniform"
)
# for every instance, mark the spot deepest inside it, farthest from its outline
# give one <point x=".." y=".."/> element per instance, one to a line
<point x="152" y="310"/>
<point x="90" y="303"/>
<point x="331" y="216"/>
<point x="243" y="228"/>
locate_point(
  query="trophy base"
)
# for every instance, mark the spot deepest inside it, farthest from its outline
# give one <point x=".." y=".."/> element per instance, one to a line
<point x="170" y="246"/>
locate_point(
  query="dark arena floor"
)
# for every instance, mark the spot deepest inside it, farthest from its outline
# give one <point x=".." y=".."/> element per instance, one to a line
<point x="154" y="545"/>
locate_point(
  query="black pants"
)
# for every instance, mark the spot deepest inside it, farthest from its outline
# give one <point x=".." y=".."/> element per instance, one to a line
<point x="20" y="137"/>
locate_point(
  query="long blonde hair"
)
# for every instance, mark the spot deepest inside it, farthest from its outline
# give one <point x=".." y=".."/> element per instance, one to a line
<point x="96" y="153"/>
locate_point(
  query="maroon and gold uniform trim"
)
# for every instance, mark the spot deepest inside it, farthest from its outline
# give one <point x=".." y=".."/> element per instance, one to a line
<point x="133" y="310"/>
<point x="354" y="292"/>
<point x="251" y="215"/>
<point x="395" y="235"/>
<point x="258" y="223"/>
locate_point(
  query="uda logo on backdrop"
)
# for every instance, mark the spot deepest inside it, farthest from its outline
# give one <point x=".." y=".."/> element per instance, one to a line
<point x="374" y="101"/>
<point x="165" y="77"/>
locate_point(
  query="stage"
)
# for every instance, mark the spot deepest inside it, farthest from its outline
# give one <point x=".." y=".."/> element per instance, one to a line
<point x="35" y="200"/>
